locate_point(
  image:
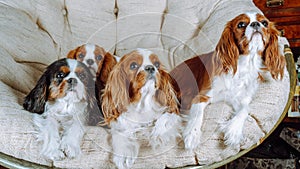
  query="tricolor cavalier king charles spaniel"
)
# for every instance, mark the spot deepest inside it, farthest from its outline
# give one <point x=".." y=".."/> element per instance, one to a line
<point x="232" y="73"/>
<point x="139" y="98"/>
<point x="100" y="63"/>
<point x="62" y="99"/>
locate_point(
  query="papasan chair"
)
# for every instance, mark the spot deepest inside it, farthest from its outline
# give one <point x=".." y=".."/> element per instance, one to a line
<point x="36" y="33"/>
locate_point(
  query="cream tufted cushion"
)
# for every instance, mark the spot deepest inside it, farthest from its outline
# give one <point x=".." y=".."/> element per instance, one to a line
<point x="36" y="33"/>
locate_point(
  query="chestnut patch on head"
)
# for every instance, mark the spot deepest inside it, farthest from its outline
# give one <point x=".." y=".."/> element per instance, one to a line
<point x="64" y="69"/>
<point x="262" y="19"/>
<point x="155" y="61"/>
<point x="131" y="63"/>
<point x="99" y="58"/>
<point x="239" y="25"/>
<point x="80" y="54"/>
<point x="99" y="54"/>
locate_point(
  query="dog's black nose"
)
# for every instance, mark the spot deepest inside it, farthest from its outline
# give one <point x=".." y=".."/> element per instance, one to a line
<point x="255" y="25"/>
<point x="72" y="81"/>
<point x="90" y="61"/>
<point x="150" y="69"/>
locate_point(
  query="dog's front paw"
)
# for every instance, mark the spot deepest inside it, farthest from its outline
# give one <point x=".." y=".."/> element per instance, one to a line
<point x="71" y="150"/>
<point x="166" y="130"/>
<point x="156" y="141"/>
<point x="123" y="162"/>
<point x="191" y="137"/>
<point x="125" y="154"/>
<point x="54" y="155"/>
<point x="233" y="134"/>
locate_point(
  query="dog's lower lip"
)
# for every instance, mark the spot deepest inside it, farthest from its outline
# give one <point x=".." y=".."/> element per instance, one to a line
<point x="256" y="32"/>
<point x="151" y="77"/>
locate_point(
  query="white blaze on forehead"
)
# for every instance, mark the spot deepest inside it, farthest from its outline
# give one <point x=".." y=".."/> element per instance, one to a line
<point x="90" y="48"/>
<point x="252" y="16"/>
<point x="249" y="29"/>
<point x="72" y="65"/>
<point x="79" y="88"/>
<point x="146" y="55"/>
<point x="256" y="41"/>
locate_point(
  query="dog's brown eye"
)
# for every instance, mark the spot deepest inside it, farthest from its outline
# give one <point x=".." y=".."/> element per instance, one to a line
<point x="265" y="23"/>
<point x="242" y="25"/>
<point x="156" y="64"/>
<point x="60" y="75"/>
<point x="81" y="55"/>
<point x="99" y="57"/>
<point x="134" y="65"/>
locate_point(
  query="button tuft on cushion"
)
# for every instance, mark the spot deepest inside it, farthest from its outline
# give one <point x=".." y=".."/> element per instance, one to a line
<point x="64" y="11"/>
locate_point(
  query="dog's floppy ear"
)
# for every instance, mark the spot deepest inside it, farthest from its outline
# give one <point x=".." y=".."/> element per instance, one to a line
<point x="35" y="101"/>
<point x="166" y="95"/>
<point x="107" y="66"/>
<point x="273" y="57"/>
<point x="227" y="50"/>
<point x="115" y="96"/>
<point x="103" y="72"/>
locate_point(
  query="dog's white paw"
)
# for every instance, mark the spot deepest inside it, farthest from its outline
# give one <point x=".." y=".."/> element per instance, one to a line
<point x="167" y="128"/>
<point x="191" y="138"/>
<point x="54" y="155"/>
<point x="123" y="162"/>
<point x="233" y="134"/>
<point x="71" y="150"/>
<point x="155" y="141"/>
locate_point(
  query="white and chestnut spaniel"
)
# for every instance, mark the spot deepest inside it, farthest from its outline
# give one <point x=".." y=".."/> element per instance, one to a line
<point x="61" y="99"/>
<point x="100" y="63"/>
<point x="232" y="73"/>
<point x="139" y="98"/>
<point x="95" y="58"/>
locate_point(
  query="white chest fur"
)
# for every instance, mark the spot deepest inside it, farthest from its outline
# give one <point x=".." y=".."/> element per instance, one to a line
<point x="61" y="128"/>
<point x="65" y="111"/>
<point x="241" y="86"/>
<point x="142" y="115"/>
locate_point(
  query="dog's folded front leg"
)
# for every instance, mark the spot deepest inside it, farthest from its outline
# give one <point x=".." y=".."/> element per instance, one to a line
<point x="72" y="139"/>
<point x="192" y="132"/>
<point x="125" y="148"/>
<point x="233" y="129"/>
<point x="48" y="133"/>
<point x="166" y="130"/>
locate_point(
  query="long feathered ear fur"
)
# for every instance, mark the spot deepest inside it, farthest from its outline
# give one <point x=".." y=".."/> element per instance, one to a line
<point x="273" y="57"/>
<point x="103" y="73"/>
<point x="166" y="94"/>
<point x="35" y="101"/>
<point x="115" y="96"/>
<point x="227" y="51"/>
<point x="108" y="64"/>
